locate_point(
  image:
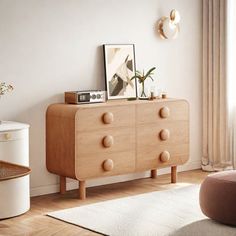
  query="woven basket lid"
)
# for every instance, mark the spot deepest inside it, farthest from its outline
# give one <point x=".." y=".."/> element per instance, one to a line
<point x="12" y="171"/>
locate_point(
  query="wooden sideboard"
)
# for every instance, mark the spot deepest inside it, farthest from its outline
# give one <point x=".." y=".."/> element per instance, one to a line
<point x="114" y="138"/>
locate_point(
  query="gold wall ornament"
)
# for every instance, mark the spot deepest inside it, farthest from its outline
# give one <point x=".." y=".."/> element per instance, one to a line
<point x="168" y="27"/>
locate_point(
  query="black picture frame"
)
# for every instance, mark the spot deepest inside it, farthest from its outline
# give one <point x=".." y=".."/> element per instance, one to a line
<point x="120" y="67"/>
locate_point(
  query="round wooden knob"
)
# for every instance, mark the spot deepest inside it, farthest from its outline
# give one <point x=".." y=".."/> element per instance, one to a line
<point x="164" y="112"/>
<point x="108" y="141"/>
<point x="108" y="118"/>
<point x="165" y="156"/>
<point x="164" y="134"/>
<point x="108" y="165"/>
<point x="7" y="136"/>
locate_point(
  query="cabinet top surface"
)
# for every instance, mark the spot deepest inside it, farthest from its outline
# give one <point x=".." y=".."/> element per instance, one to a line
<point x="119" y="102"/>
<point x="11" y="125"/>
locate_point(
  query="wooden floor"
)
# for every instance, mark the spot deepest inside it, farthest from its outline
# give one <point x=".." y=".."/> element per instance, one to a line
<point x="35" y="222"/>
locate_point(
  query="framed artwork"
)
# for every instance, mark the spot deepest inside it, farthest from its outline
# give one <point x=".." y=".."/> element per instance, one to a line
<point x="119" y="69"/>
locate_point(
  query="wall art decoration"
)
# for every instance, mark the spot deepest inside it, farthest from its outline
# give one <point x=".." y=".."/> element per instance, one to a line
<point x="119" y="69"/>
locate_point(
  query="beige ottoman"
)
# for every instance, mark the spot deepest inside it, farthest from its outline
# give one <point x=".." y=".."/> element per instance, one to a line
<point x="218" y="197"/>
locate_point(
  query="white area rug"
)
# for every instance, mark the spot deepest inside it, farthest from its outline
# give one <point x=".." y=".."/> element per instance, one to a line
<point x="173" y="212"/>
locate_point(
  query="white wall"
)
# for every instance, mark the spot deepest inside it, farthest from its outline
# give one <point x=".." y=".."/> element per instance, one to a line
<point x="51" y="46"/>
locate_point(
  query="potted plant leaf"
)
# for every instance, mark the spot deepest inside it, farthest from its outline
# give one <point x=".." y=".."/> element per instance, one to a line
<point x="142" y="76"/>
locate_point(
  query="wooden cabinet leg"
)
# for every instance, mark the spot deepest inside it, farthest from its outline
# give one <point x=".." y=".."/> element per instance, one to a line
<point x="153" y="174"/>
<point x="82" y="190"/>
<point x="62" y="185"/>
<point x="173" y="174"/>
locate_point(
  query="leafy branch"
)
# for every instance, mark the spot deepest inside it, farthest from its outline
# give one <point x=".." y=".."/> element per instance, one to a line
<point x="4" y="88"/>
<point x="142" y="76"/>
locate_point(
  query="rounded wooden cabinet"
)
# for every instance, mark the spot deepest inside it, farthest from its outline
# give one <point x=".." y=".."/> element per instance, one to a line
<point x="165" y="156"/>
<point x="164" y="134"/>
<point x="108" y="165"/>
<point x="164" y="112"/>
<point x="108" y="141"/>
<point x="108" y="118"/>
<point x="115" y="138"/>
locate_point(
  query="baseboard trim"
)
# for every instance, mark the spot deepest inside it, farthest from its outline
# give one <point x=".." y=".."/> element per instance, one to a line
<point x="72" y="184"/>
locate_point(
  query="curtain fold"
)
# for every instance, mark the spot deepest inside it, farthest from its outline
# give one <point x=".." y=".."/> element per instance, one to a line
<point x="231" y="75"/>
<point x="215" y="106"/>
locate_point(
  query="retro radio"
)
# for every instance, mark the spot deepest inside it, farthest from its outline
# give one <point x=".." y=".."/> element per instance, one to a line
<point x="89" y="96"/>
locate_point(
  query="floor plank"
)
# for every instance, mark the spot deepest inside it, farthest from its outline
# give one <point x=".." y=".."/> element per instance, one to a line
<point x="35" y="222"/>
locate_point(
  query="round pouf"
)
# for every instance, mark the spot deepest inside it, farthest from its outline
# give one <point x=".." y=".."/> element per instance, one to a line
<point x="218" y="197"/>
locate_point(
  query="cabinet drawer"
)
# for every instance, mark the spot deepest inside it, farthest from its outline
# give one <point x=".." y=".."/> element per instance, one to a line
<point x="105" y="117"/>
<point x="105" y="141"/>
<point x="162" y="111"/>
<point x="8" y="136"/>
<point x="153" y="158"/>
<point x="149" y="136"/>
<point x="94" y="165"/>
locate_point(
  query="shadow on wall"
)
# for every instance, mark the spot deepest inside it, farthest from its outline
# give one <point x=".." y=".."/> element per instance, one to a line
<point x="205" y="227"/>
<point x="90" y="74"/>
<point x="35" y="113"/>
<point x="98" y="71"/>
<point x="35" y="117"/>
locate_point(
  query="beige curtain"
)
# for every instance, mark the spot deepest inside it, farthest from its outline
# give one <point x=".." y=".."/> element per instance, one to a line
<point x="215" y="118"/>
<point x="231" y="74"/>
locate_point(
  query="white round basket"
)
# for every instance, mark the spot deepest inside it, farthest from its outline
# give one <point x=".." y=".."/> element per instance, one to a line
<point x="14" y="189"/>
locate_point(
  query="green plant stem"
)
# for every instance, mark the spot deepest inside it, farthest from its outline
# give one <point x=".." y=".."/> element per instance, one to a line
<point x="143" y="92"/>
